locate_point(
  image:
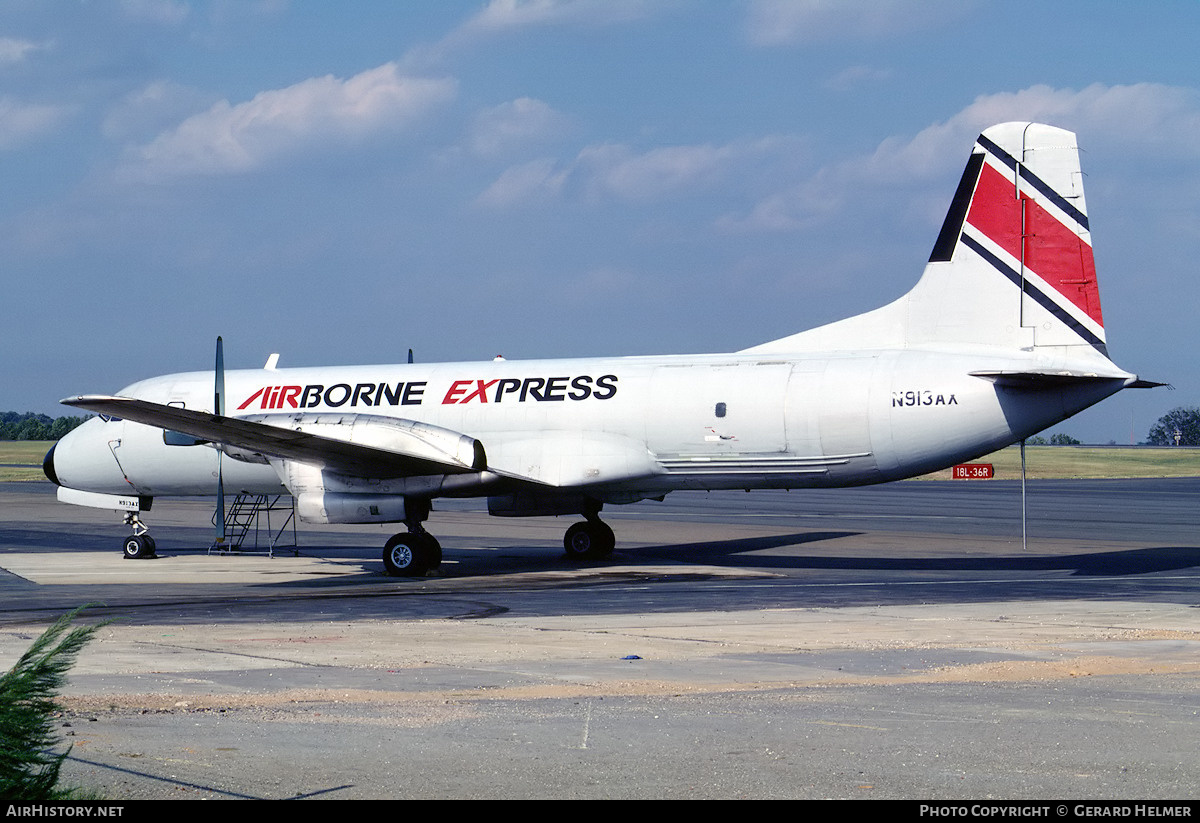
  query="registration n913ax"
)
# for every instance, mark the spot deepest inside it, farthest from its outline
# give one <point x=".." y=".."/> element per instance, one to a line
<point x="1000" y="338"/>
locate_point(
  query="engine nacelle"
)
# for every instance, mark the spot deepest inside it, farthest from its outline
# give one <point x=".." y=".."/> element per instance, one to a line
<point x="410" y="438"/>
<point x="331" y="507"/>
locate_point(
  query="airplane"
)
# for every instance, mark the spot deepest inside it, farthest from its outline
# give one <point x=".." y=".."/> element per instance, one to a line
<point x="1000" y="338"/>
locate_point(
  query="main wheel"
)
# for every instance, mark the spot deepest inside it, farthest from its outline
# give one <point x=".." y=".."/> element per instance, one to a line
<point x="589" y="540"/>
<point x="138" y="546"/>
<point x="433" y="551"/>
<point x="407" y="555"/>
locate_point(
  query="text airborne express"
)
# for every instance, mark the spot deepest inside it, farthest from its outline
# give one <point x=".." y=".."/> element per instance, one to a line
<point x="415" y="393"/>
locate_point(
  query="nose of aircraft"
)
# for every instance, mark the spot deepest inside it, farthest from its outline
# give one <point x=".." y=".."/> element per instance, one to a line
<point x="83" y="459"/>
<point x="48" y="466"/>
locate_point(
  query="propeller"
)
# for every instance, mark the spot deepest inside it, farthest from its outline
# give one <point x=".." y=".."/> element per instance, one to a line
<point x="219" y="409"/>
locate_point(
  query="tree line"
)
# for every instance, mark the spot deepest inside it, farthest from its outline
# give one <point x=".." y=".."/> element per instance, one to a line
<point x="30" y="426"/>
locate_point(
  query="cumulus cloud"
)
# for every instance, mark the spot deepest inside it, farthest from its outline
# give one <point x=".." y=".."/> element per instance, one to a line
<point x="789" y="22"/>
<point x="537" y="180"/>
<point x="504" y="17"/>
<point x="613" y="171"/>
<point x="510" y="15"/>
<point x="21" y="122"/>
<point x="13" y="51"/>
<point x="514" y="126"/>
<point x="661" y="172"/>
<point x="1144" y="118"/>
<point x="166" y="12"/>
<point x="147" y="111"/>
<point x="309" y="116"/>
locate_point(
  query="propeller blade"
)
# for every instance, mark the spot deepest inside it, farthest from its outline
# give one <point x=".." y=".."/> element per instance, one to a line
<point x="219" y="408"/>
<point x="219" y="514"/>
<point x="219" y="383"/>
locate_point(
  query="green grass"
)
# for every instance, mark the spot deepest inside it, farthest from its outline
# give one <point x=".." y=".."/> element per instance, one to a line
<point x="1089" y="462"/>
<point x="1042" y="462"/>
<point x="27" y="454"/>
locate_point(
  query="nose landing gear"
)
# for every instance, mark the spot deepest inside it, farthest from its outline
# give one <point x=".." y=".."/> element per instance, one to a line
<point x="139" y="545"/>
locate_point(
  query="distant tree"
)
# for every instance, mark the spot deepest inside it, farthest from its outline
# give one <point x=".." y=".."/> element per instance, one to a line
<point x="30" y="426"/>
<point x="62" y="425"/>
<point x="1185" y="420"/>
<point x="1036" y="440"/>
<point x="1061" y="439"/>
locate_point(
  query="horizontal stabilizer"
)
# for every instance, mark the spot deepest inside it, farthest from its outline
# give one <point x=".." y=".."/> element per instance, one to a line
<point x="1040" y="379"/>
<point x="395" y="448"/>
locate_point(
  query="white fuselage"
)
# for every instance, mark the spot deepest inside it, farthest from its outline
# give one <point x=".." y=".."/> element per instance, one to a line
<point x="730" y="421"/>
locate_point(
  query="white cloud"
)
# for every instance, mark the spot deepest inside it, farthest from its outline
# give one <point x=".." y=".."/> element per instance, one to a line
<point x="1144" y="118"/>
<point x="619" y="171"/>
<point x="21" y="122"/>
<point x="310" y="116"/>
<point x="854" y="76"/>
<point x="513" y="126"/>
<point x="148" y="111"/>
<point x="167" y="12"/>
<point x="533" y="181"/>
<point x="13" y="51"/>
<point x="788" y="22"/>
<point x="510" y="15"/>
<point x="613" y="171"/>
<point x="502" y="17"/>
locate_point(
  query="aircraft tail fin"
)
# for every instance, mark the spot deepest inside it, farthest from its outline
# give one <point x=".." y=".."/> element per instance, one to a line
<point x="1012" y="265"/>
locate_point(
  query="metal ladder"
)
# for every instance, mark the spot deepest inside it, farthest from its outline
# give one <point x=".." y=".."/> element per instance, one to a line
<point x="246" y="512"/>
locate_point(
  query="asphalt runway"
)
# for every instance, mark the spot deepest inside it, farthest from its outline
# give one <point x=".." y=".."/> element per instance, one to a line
<point x="886" y="642"/>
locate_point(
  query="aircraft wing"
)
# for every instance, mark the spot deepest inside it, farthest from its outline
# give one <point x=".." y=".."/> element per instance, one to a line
<point x="354" y="444"/>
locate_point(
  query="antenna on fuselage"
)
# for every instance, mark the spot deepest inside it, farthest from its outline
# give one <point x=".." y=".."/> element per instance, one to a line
<point x="1024" y="533"/>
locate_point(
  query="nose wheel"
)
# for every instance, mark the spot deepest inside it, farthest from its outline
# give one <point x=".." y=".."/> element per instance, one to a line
<point x="139" y="545"/>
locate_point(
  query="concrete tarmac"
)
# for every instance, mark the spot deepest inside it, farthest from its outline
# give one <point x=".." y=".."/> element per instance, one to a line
<point x="895" y="642"/>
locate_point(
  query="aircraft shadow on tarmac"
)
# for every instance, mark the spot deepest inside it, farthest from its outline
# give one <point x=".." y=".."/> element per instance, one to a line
<point x="1108" y="563"/>
<point x="770" y="553"/>
<point x="766" y="552"/>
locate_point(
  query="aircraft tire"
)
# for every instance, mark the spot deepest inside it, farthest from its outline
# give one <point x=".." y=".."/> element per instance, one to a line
<point x="138" y="547"/>
<point x="433" y="550"/>
<point x="407" y="555"/>
<point x="589" y="540"/>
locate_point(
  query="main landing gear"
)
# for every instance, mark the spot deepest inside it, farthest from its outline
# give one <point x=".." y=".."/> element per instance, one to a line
<point x="139" y="545"/>
<point x="589" y="540"/>
<point x="412" y="553"/>
<point x="415" y="552"/>
<point x="592" y="539"/>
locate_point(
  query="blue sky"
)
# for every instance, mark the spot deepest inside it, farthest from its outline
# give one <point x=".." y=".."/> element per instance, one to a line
<point x="552" y="178"/>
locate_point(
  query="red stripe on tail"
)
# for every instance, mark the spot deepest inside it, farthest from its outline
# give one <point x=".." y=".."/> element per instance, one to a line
<point x="1053" y="250"/>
